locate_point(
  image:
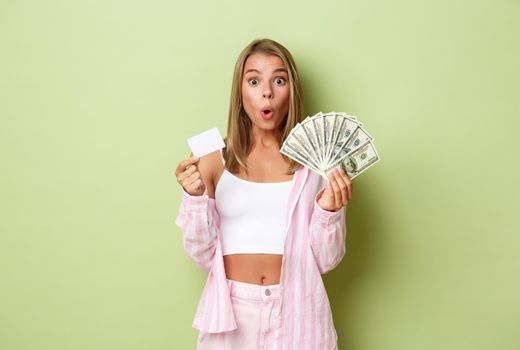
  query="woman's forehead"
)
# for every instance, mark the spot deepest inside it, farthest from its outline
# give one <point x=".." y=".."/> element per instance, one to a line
<point x="263" y="63"/>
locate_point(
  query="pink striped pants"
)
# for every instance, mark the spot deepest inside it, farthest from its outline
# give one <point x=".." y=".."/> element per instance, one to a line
<point x="257" y="312"/>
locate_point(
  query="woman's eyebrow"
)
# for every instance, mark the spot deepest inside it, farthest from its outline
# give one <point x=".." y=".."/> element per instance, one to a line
<point x="274" y="71"/>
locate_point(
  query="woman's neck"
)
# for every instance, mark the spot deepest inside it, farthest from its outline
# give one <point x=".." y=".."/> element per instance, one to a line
<point x="266" y="138"/>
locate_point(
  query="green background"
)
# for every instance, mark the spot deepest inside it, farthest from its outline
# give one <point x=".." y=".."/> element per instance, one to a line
<point x="97" y="99"/>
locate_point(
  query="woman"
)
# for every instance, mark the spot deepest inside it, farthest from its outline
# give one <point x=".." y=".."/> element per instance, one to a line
<point x="262" y="225"/>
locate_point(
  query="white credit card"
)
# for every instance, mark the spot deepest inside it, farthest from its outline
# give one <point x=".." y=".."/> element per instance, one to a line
<point x="206" y="142"/>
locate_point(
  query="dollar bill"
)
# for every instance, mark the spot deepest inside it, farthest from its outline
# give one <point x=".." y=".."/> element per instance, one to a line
<point x="358" y="161"/>
<point x="299" y="136"/>
<point x="292" y="146"/>
<point x="319" y="130"/>
<point x="345" y="133"/>
<point x="311" y="135"/>
<point x="300" y="158"/>
<point x="351" y="117"/>
<point x="358" y="138"/>
<point x="331" y="121"/>
<point x="328" y="140"/>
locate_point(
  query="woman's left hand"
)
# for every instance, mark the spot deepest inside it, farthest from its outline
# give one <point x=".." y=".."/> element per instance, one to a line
<point x="338" y="192"/>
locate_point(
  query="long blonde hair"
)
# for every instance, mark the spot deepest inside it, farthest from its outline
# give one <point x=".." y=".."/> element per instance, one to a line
<point x="239" y="138"/>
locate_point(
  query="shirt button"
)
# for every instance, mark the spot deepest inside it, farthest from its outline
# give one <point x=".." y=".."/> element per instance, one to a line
<point x="267" y="292"/>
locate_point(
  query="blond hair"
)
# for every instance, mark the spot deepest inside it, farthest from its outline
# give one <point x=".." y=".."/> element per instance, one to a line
<point x="239" y="137"/>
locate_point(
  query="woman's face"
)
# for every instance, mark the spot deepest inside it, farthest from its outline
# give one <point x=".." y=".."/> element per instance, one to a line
<point x="265" y="90"/>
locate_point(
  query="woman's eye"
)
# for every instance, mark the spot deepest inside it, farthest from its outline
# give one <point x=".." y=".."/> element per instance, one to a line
<point x="280" y="81"/>
<point x="253" y="80"/>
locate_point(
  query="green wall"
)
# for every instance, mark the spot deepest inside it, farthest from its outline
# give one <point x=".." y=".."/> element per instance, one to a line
<point x="97" y="99"/>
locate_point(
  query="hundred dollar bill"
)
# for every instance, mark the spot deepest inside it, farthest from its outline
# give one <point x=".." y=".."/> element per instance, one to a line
<point x="345" y="132"/>
<point x="300" y="158"/>
<point x="358" y="138"/>
<point x="358" y="161"/>
<point x="315" y="124"/>
<point x="329" y="126"/>
<point x="328" y="140"/>
<point x="298" y="133"/>
<point x="319" y="129"/>
<point x="351" y="117"/>
<point x="308" y="128"/>
<point x="330" y="122"/>
<point x="301" y="150"/>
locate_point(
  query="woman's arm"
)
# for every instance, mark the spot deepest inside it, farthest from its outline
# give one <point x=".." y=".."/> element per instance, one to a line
<point x="327" y="233"/>
<point x="197" y="220"/>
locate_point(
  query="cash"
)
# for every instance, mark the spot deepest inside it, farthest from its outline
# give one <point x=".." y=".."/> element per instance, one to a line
<point x="329" y="140"/>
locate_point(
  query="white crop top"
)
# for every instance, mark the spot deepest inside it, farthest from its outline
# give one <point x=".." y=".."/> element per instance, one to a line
<point x="252" y="214"/>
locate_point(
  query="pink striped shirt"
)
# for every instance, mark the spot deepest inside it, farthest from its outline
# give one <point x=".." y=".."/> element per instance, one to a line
<point x="314" y="245"/>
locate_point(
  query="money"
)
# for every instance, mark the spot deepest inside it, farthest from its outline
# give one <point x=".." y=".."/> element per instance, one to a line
<point x="326" y="141"/>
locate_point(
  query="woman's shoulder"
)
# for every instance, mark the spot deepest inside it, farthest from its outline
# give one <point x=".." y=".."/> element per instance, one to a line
<point x="210" y="168"/>
<point x="211" y="162"/>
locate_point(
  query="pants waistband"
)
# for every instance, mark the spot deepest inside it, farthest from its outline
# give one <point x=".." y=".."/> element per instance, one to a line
<point x="253" y="291"/>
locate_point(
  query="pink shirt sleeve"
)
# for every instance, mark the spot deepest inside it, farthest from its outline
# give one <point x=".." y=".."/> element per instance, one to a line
<point x="198" y="222"/>
<point x="327" y="232"/>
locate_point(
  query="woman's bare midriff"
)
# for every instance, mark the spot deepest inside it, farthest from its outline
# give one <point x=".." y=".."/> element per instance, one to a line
<point x="262" y="269"/>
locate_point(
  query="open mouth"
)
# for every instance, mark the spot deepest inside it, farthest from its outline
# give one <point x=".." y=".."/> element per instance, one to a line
<point x="267" y="113"/>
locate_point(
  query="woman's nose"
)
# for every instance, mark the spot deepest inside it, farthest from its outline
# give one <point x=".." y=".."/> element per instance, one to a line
<point x="267" y="93"/>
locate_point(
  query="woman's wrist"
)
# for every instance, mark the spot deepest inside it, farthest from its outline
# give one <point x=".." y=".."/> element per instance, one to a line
<point x="194" y="199"/>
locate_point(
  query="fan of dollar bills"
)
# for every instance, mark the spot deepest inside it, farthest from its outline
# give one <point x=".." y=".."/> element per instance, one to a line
<point x="328" y="140"/>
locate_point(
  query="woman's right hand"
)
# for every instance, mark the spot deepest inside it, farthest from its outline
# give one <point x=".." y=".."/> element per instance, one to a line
<point x="188" y="176"/>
